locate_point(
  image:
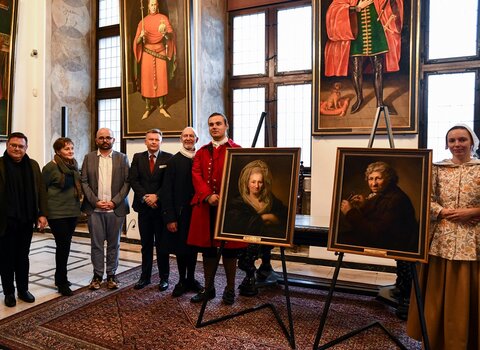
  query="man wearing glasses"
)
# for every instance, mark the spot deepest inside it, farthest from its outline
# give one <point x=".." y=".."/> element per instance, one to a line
<point x="105" y="186"/>
<point x="23" y="203"/>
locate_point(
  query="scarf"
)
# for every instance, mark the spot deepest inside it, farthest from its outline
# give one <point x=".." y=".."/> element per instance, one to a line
<point x="187" y="153"/>
<point x="20" y="189"/>
<point x="69" y="167"/>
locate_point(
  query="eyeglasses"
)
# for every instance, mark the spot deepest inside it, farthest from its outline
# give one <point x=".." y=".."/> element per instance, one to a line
<point x="14" y="146"/>
<point x="107" y="138"/>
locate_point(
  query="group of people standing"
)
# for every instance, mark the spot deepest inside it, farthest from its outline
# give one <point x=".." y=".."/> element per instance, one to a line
<point x="168" y="194"/>
<point x="176" y="198"/>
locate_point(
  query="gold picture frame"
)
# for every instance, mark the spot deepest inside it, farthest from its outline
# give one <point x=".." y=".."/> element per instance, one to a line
<point x="164" y="63"/>
<point x="8" y="30"/>
<point x="388" y="219"/>
<point x="269" y="218"/>
<point x="337" y="87"/>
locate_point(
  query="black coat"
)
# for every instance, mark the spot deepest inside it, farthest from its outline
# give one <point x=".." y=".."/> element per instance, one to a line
<point x="242" y="218"/>
<point x="177" y="193"/>
<point x="386" y="221"/>
<point x="40" y="193"/>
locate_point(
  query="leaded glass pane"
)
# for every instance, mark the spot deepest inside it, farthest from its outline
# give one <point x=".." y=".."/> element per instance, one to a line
<point x="451" y="99"/>
<point x="249" y="44"/>
<point x="294" y="113"/>
<point x="294" y="39"/>
<point x="248" y="105"/>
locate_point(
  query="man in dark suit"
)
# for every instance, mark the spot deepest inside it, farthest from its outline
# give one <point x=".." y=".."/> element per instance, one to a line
<point x="105" y="186"/>
<point x="23" y="202"/>
<point x="146" y="177"/>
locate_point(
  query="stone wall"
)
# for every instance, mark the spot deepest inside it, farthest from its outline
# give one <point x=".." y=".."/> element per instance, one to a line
<point x="69" y="72"/>
<point x="211" y="63"/>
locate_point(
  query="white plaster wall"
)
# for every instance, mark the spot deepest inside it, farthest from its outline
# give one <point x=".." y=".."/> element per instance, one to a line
<point x="29" y="115"/>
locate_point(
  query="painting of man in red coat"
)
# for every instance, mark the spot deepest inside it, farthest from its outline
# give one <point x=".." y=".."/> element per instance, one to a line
<point x="154" y="48"/>
<point x="366" y="62"/>
<point x="156" y="74"/>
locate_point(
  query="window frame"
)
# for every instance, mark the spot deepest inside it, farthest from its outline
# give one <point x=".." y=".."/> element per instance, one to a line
<point x="110" y="92"/>
<point x="448" y="65"/>
<point x="272" y="78"/>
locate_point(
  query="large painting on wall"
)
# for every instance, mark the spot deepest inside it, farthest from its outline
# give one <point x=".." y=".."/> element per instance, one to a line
<point x="156" y="67"/>
<point x="8" y="23"/>
<point x="367" y="56"/>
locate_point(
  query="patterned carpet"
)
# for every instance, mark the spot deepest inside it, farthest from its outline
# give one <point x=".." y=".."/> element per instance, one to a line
<point x="147" y="319"/>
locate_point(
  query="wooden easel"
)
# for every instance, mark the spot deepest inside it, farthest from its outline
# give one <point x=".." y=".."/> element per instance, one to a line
<point x="326" y="308"/>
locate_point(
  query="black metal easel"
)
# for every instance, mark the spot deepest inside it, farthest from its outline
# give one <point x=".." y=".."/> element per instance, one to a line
<point x="326" y="308"/>
<point x="289" y="333"/>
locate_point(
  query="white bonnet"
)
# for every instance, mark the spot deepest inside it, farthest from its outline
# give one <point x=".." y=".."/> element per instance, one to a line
<point x="474" y="136"/>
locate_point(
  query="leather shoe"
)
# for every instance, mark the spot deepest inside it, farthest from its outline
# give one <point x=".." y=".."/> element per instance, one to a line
<point x="228" y="296"/>
<point x="26" y="296"/>
<point x="194" y="286"/>
<point x="65" y="290"/>
<point x="10" y="300"/>
<point x="248" y="287"/>
<point x="141" y="284"/>
<point x="163" y="285"/>
<point x="203" y="294"/>
<point x="179" y="290"/>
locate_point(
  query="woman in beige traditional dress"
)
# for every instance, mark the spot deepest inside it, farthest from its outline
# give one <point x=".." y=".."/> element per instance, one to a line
<point x="450" y="281"/>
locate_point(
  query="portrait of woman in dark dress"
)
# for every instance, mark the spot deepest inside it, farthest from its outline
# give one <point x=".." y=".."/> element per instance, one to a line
<point x="385" y="218"/>
<point x="256" y="211"/>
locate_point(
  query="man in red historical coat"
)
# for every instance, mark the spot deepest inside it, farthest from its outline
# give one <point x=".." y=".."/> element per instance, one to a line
<point x="154" y="48"/>
<point x="363" y="28"/>
<point x="207" y="173"/>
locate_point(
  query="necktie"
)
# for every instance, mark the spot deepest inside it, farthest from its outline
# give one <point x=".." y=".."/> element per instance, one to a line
<point x="152" y="162"/>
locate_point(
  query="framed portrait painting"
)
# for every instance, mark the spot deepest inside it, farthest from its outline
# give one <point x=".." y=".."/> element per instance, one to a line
<point x="258" y="196"/>
<point x="156" y="67"/>
<point x="366" y="58"/>
<point x="381" y="203"/>
<point x="8" y="28"/>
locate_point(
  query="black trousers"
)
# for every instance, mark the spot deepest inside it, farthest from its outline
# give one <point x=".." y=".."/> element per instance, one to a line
<point x="62" y="230"/>
<point x="150" y="225"/>
<point x="14" y="250"/>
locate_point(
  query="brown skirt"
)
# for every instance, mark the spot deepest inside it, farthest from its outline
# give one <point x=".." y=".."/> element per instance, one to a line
<point x="450" y="293"/>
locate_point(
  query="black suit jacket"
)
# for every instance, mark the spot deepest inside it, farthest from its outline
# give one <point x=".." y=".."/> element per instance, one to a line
<point x="144" y="182"/>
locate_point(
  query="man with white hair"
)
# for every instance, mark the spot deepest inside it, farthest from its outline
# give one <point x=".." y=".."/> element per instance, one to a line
<point x="177" y="193"/>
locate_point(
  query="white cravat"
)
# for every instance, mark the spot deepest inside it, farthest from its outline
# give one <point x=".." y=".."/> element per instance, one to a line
<point x="217" y="144"/>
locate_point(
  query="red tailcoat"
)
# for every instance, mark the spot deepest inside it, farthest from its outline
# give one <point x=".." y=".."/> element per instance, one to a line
<point x="207" y="174"/>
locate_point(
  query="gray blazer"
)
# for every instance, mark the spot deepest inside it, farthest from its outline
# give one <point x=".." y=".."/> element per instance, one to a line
<point x="120" y="184"/>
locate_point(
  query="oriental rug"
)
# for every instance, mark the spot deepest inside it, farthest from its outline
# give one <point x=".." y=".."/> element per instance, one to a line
<point x="149" y="319"/>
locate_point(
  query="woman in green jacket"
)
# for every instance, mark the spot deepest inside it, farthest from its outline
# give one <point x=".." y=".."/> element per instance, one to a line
<point x="62" y="179"/>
